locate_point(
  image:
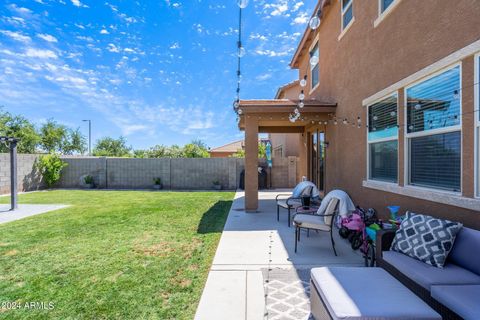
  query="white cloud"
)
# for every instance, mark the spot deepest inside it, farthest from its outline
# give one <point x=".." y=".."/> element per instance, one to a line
<point x="297" y="6"/>
<point x="16" y="36"/>
<point x="257" y="36"/>
<point x="104" y="31"/>
<point x="40" y="53"/>
<point x="175" y="45"/>
<point x="272" y="53"/>
<point x="76" y="3"/>
<point x="113" y="48"/>
<point x="264" y="77"/>
<point x="301" y="18"/>
<point x="47" y="37"/>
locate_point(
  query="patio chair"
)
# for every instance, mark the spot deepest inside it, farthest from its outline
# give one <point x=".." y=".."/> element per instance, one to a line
<point x="293" y="200"/>
<point x="319" y="222"/>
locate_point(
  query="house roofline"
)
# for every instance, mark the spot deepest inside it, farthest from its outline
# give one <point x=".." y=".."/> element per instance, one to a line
<point x="306" y="34"/>
<point x="286" y="86"/>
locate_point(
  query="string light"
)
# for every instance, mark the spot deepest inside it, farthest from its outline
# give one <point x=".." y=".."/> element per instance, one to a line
<point x="242" y="4"/>
<point x="303" y="82"/>
<point x="314" y="22"/>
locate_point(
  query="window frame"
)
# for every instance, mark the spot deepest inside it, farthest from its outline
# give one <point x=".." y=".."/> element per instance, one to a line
<point x="379" y="140"/>
<point x="408" y="136"/>
<point x="343" y="10"/>
<point x="383" y="14"/>
<point x="476" y="126"/>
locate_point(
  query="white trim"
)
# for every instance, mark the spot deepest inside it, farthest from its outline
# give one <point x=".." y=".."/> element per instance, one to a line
<point x="344" y="31"/>
<point x="440" y="64"/>
<point x="385" y="13"/>
<point x="393" y="138"/>
<point x="444" y="197"/>
<point x="342" y="13"/>
<point x="476" y="127"/>
<point x="409" y="136"/>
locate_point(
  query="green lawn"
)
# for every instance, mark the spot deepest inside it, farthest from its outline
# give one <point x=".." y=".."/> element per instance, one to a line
<point x="112" y="254"/>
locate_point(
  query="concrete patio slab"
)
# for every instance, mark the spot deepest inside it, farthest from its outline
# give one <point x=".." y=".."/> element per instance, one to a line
<point x="25" y="210"/>
<point x="251" y="242"/>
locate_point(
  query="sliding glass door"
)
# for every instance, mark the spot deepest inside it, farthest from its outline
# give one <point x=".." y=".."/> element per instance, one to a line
<point x="317" y="159"/>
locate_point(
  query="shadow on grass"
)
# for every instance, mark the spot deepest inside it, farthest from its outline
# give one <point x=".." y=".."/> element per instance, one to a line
<point x="214" y="219"/>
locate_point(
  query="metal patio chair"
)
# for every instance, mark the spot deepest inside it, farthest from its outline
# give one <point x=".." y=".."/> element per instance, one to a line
<point x="319" y="222"/>
<point x="293" y="200"/>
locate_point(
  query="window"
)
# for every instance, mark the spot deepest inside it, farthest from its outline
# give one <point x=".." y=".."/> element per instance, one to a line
<point x="347" y="13"/>
<point x="433" y="131"/>
<point x="384" y="4"/>
<point x="315" y="68"/>
<point x="383" y="140"/>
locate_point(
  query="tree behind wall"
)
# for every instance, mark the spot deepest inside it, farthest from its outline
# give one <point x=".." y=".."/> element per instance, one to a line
<point x="110" y="147"/>
<point x="18" y="127"/>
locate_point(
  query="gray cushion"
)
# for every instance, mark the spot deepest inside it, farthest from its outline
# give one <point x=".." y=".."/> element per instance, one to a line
<point x="426" y="238"/>
<point x="367" y="293"/>
<point x="466" y="243"/>
<point x="463" y="300"/>
<point x="311" y="221"/>
<point x="293" y="203"/>
<point x="427" y="275"/>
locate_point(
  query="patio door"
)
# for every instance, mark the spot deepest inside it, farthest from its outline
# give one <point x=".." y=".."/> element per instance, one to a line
<point x="317" y="159"/>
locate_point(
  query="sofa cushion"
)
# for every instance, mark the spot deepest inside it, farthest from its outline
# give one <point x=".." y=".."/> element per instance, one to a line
<point x="426" y="238"/>
<point x="463" y="300"/>
<point x="467" y="241"/>
<point x="427" y="275"/>
<point x="367" y="293"/>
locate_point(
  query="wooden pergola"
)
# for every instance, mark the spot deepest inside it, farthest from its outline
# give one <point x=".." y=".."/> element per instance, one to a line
<point x="272" y="116"/>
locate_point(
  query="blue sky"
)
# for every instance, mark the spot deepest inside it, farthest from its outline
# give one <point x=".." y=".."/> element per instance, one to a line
<point x="156" y="72"/>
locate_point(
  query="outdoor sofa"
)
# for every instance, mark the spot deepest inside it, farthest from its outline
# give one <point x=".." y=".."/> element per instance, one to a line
<point x="454" y="290"/>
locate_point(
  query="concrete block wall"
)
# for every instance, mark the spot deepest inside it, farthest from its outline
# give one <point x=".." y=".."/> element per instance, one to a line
<point x="27" y="174"/>
<point x="127" y="173"/>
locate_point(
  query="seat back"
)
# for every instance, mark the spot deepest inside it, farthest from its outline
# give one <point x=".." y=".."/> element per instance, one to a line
<point x="465" y="250"/>
<point x="330" y="211"/>
<point x="305" y="188"/>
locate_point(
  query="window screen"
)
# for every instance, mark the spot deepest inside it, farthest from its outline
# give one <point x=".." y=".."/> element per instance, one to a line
<point x="384" y="161"/>
<point x="383" y="119"/>
<point x="435" y="161"/>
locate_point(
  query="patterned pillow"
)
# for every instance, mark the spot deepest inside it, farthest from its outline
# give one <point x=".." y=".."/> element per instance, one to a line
<point x="426" y="238"/>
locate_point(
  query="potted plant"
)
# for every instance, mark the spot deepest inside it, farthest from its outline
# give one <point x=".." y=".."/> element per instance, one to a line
<point x="216" y="185"/>
<point x="90" y="184"/>
<point x="157" y="183"/>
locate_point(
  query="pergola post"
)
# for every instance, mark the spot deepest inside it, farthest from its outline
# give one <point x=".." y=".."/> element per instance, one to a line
<point x="251" y="164"/>
<point x="13" y="175"/>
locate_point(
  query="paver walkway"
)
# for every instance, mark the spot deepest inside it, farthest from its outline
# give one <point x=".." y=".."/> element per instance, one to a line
<point x="252" y="242"/>
<point x="25" y="210"/>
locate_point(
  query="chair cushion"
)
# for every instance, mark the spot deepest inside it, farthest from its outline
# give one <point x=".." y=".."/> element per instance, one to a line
<point x="426" y="238"/>
<point x="367" y="293"/>
<point x="467" y="241"/>
<point x="427" y="275"/>
<point x="293" y="203"/>
<point x="463" y="300"/>
<point x="310" y="221"/>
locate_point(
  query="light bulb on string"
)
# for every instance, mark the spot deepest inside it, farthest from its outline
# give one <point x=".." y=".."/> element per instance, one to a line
<point x="303" y="82"/>
<point x="359" y="120"/>
<point x="418" y="106"/>
<point x="242" y="3"/>
<point x="375" y="118"/>
<point x="241" y="52"/>
<point x="456" y="94"/>
<point x="301" y="96"/>
<point x="313" y="60"/>
<point x="393" y="114"/>
<point x="240" y="111"/>
<point x="314" y="22"/>
<point x="301" y="104"/>
<point x="345" y="121"/>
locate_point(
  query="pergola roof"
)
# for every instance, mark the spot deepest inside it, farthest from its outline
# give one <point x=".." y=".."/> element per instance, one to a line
<point x="273" y="114"/>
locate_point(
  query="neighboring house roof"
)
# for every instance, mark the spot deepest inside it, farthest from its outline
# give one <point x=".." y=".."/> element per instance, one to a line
<point x="230" y="147"/>
<point x="307" y="35"/>
<point x="285" y="87"/>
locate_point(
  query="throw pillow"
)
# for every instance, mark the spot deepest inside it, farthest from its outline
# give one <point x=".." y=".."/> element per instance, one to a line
<point x="426" y="238"/>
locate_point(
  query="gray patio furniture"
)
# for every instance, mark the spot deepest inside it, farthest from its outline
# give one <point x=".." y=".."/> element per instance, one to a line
<point x="293" y="200"/>
<point x="363" y="293"/>
<point x="320" y="222"/>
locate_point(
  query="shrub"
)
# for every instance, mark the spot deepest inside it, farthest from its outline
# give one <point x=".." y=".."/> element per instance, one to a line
<point x="157" y="181"/>
<point x="51" y="166"/>
<point x="88" y="179"/>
